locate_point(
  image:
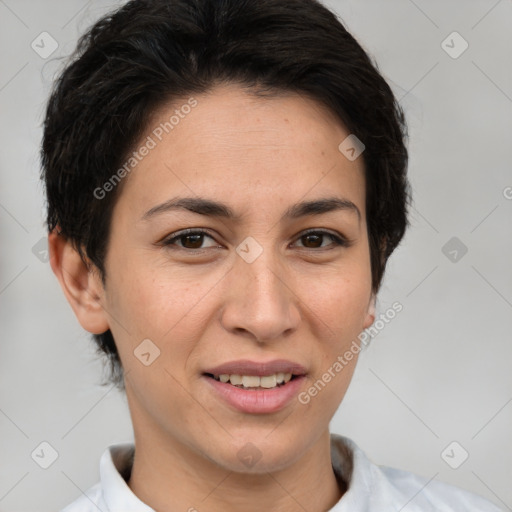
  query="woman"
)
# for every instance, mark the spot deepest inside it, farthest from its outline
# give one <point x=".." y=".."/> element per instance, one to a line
<point x="226" y="180"/>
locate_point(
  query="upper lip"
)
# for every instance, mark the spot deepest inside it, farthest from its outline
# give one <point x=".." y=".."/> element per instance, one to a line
<point x="257" y="368"/>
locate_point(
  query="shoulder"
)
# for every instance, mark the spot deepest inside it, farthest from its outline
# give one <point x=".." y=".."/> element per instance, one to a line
<point x="375" y="488"/>
<point x="434" y="495"/>
<point x="90" y="501"/>
<point x="112" y="491"/>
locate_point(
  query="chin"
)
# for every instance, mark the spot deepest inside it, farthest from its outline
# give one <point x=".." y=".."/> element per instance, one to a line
<point x="258" y="455"/>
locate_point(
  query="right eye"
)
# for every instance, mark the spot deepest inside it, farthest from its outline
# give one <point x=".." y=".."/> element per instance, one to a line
<point x="190" y="239"/>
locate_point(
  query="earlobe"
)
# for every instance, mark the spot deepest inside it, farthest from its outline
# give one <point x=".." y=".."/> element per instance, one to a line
<point x="80" y="284"/>
<point x="370" y="314"/>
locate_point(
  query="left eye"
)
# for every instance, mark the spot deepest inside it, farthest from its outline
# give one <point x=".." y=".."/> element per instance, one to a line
<point x="317" y="237"/>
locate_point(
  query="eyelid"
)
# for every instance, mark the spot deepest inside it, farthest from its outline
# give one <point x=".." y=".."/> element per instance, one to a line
<point x="338" y="238"/>
<point x="167" y="240"/>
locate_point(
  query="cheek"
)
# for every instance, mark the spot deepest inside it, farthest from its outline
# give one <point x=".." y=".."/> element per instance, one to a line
<point x="340" y="301"/>
<point x="158" y="305"/>
<point x="153" y="300"/>
<point x="321" y="398"/>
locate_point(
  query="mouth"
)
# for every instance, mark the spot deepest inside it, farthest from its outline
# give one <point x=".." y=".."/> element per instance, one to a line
<point x="255" y="382"/>
<point x="256" y="387"/>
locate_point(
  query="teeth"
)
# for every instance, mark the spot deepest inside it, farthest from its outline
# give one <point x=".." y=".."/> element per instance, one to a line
<point x="253" y="381"/>
<point x="250" y="382"/>
<point x="236" y="380"/>
<point x="269" y="381"/>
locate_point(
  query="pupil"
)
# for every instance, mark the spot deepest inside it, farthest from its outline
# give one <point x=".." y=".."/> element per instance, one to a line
<point x="317" y="237"/>
<point x="198" y="238"/>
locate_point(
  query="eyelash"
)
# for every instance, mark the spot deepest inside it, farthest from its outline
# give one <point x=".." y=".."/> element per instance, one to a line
<point x="338" y="240"/>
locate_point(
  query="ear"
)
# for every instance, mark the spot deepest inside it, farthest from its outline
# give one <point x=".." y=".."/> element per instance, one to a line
<point x="370" y="314"/>
<point x="81" y="285"/>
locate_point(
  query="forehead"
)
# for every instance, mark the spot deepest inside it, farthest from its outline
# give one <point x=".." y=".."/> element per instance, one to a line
<point x="250" y="151"/>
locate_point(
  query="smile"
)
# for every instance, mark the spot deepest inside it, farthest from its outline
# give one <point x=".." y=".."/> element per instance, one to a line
<point x="254" y="381"/>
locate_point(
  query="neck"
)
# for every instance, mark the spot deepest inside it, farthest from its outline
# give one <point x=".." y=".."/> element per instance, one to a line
<point x="168" y="475"/>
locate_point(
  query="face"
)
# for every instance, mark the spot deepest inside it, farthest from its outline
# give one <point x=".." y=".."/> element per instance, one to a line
<point x="270" y="281"/>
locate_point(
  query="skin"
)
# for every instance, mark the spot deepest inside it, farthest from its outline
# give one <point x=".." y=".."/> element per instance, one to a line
<point x="304" y="299"/>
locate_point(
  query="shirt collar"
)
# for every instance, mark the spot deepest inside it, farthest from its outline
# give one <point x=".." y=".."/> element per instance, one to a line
<point x="368" y="486"/>
<point x="115" y="466"/>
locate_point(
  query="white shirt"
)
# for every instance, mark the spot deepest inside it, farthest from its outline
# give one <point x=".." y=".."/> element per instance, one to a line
<point x="371" y="488"/>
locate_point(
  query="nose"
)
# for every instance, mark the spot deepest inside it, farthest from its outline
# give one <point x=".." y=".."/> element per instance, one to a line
<point x="259" y="299"/>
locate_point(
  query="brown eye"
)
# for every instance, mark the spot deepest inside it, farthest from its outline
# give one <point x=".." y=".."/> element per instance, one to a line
<point x="312" y="241"/>
<point x="189" y="240"/>
<point x="192" y="241"/>
<point x="315" y="240"/>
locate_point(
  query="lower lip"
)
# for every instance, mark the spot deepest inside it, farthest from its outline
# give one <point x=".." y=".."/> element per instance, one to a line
<point x="258" y="401"/>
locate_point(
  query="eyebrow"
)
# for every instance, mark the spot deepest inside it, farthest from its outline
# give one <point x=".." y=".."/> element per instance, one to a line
<point x="211" y="208"/>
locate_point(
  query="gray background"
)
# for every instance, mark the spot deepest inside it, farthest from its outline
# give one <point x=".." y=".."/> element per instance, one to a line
<point x="438" y="373"/>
